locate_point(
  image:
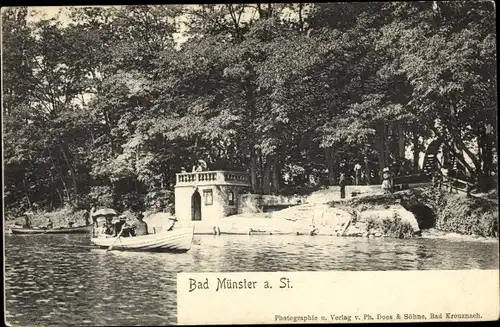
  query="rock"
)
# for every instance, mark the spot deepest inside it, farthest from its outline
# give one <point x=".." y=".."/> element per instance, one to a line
<point x="377" y="234"/>
<point x="371" y="236"/>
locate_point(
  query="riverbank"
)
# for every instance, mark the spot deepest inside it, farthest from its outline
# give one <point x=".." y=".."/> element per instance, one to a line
<point x="59" y="218"/>
<point x="403" y="214"/>
<point x="439" y="210"/>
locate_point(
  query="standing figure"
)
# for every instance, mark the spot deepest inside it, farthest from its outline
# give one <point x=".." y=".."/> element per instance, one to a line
<point x="87" y="217"/>
<point x="386" y="183"/>
<point x="342" y="183"/>
<point x="93" y="209"/>
<point x="27" y="221"/>
<point x="357" y="173"/>
<point x="49" y="224"/>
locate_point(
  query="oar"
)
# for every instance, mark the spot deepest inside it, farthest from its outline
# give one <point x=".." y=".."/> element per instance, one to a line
<point x="111" y="246"/>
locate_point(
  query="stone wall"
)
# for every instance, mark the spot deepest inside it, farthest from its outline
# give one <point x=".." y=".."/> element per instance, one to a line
<point x="253" y="203"/>
<point x="219" y="208"/>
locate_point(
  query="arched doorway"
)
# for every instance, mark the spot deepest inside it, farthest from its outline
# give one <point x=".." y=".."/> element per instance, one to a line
<point x="196" y="206"/>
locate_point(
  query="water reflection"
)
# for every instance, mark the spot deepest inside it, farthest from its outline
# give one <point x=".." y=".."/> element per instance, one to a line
<point x="58" y="279"/>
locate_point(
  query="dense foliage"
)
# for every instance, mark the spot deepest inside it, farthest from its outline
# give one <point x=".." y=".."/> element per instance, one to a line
<point x="109" y="107"/>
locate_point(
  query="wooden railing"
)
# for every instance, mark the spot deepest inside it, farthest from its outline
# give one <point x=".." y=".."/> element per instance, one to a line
<point x="219" y="176"/>
<point x="452" y="183"/>
<point x="455" y="184"/>
<point x="412" y="178"/>
<point x="439" y="180"/>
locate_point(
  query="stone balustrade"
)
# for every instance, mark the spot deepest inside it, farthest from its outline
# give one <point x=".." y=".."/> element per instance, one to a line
<point x="213" y="177"/>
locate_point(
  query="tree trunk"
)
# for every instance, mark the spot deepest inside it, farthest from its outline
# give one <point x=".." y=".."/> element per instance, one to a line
<point x="486" y="150"/>
<point x="60" y="176"/>
<point x="261" y="170"/>
<point x="380" y="142"/>
<point x="459" y="149"/>
<point x="250" y="106"/>
<point x="60" y="195"/>
<point x="267" y="176"/>
<point x="367" y="165"/>
<point x="253" y="170"/>
<point x="276" y="174"/>
<point x="401" y="142"/>
<point x="416" y="151"/>
<point x="70" y="167"/>
<point x="301" y="20"/>
<point x="330" y="165"/>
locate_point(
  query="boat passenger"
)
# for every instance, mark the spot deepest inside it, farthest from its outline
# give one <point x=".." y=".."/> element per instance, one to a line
<point x="122" y="224"/>
<point x="140" y="226"/>
<point x="107" y="229"/>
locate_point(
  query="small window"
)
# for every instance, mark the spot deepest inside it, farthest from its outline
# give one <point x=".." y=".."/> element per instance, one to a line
<point x="231" y="198"/>
<point x="209" y="199"/>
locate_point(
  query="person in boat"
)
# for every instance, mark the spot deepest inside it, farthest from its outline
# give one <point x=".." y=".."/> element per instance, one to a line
<point x="140" y="226"/>
<point x="107" y="229"/>
<point x="122" y="224"/>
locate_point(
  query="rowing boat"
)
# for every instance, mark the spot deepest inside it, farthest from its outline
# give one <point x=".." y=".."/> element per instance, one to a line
<point x="60" y="230"/>
<point x="177" y="240"/>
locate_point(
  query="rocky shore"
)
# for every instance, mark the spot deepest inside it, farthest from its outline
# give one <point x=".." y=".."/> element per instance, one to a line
<point x="403" y="214"/>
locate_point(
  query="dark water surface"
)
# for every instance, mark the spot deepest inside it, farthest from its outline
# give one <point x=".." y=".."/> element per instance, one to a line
<point x="59" y="280"/>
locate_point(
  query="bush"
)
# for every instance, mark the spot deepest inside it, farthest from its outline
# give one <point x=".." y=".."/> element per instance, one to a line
<point x="392" y="227"/>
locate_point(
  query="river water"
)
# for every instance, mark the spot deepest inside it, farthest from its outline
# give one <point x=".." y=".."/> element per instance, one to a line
<point x="60" y="280"/>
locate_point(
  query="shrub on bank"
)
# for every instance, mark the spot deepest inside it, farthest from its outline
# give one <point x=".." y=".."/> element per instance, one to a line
<point x="458" y="213"/>
<point x="391" y="227"/>
<point x="469" y="216"/>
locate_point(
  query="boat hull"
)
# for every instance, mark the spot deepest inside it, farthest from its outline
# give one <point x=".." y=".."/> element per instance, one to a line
<point x="69" y="230"/>
<point x="178" y="240"/>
